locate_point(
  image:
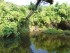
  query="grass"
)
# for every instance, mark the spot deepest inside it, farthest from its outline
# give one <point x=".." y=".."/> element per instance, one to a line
<point x="55" y="31"/>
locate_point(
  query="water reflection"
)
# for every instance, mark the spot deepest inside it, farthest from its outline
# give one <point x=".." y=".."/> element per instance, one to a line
<point x="52" y="44"/>
<point x="35" y="44"/>
<point x="17" y="45"/>
<point x="33" y="47"/>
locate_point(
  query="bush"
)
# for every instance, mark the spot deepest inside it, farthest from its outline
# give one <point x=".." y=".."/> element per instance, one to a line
<point x="8" y="29"/>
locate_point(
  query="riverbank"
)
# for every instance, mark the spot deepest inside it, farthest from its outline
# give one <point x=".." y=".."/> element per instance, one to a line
<point x="49" y="31"/>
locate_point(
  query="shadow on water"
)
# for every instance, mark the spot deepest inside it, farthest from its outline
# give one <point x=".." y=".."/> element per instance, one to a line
<point x="17" y="45"/>
<point x="51" y="44"/>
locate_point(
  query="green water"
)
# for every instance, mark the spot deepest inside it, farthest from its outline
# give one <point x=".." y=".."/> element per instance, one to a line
<point x="35" y="44"/>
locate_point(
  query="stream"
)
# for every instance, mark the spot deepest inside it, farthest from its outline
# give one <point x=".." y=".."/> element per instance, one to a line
<point x="41" y="43"/>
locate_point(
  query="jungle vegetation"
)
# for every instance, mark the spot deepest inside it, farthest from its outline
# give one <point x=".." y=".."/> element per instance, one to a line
<point x="13" y="17"/>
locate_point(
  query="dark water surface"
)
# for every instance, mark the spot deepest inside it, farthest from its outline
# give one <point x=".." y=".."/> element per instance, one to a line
<point x="35" y="44"/>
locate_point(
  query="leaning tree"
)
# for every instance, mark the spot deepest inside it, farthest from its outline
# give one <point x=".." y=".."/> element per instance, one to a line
<point x="36" y="5"/>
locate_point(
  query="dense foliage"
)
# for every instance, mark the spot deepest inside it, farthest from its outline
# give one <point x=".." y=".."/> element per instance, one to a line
<point x="52" y="15"/>
<point x="12" y="17"/>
